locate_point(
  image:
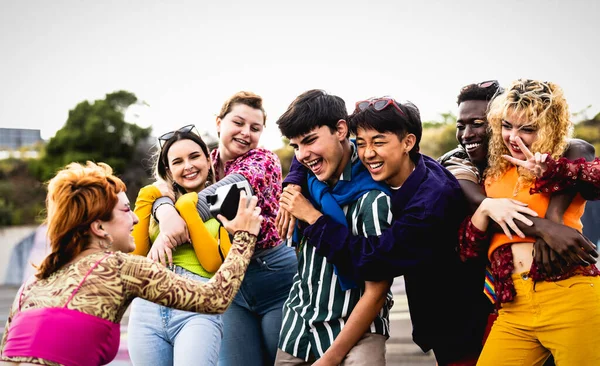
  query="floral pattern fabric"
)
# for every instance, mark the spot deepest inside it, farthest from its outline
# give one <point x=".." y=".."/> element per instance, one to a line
<point x="262" y="169"/>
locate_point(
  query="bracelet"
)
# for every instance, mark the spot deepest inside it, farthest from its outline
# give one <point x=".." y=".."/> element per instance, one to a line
<point x="159" y="202"/>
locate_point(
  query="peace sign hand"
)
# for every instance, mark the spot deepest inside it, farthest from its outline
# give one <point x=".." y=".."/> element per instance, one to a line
<point x="535" y="163"/>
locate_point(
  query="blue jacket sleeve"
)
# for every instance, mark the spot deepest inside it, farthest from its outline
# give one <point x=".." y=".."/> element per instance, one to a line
<point x="417" y="236"/>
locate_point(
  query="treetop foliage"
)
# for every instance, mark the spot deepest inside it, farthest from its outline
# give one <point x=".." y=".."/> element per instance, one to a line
<point x="94" y="131"/>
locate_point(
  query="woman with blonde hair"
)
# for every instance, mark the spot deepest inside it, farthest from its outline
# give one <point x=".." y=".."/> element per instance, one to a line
<point x="69" y="313"/>
<point x="539" y="314"/>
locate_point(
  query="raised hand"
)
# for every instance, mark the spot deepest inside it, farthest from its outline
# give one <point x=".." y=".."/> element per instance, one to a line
<point x="504" y="211"/>
<point x="248" y="217"/>
<point x="295" y="203"/>
<point x="535" y="163"/>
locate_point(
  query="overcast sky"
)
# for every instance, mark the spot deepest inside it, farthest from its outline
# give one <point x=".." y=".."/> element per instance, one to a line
<point x="184" y="59"/>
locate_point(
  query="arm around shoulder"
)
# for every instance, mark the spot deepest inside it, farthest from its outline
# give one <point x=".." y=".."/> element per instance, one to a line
<point x="143" y="210"/>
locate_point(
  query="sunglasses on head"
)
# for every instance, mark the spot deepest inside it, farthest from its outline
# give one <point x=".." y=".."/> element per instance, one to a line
<point x="378" y="104"/>
<point x="488" y="83"/>
<point x="485" y="84"/>
<point x="185" y="129"/>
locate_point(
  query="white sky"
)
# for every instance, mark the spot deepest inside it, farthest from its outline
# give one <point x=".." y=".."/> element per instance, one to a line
<point x="184" y="59"/>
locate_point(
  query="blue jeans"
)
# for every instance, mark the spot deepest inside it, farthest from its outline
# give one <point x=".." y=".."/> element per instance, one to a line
<point x="159" y="336"/>
<point x="253" y="321"/>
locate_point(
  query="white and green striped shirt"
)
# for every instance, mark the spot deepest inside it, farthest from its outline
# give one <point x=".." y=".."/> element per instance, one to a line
<point x="317" y="309"/>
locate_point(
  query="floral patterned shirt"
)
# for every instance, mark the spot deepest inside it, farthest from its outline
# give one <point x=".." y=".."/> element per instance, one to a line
<point x="262" y="169"/>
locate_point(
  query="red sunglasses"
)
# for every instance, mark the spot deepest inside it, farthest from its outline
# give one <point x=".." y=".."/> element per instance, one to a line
<point x="485" y="84"/>
<point x="378" y="104"/>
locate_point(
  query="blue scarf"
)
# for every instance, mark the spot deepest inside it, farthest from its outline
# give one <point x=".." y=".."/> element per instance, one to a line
<point x="331" y="200"/>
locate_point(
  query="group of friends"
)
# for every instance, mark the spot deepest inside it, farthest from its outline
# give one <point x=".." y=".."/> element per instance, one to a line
<point x="487" y="237"/>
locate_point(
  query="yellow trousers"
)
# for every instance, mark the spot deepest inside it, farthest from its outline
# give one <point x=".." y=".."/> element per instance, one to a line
<point x="561" y="317"/>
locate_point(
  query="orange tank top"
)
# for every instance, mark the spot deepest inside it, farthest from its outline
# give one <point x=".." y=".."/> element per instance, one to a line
<point x="505" y="188"/>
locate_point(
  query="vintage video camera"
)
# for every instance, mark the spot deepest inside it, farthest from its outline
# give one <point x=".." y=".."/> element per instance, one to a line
<point x="226" y="199"/>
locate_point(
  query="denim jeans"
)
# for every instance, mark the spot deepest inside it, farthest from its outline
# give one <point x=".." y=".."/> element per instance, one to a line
<point x="159" y="336"/>
<point x="253" y="321"/>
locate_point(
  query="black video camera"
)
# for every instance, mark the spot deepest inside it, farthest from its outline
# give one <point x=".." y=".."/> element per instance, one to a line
<point x="226" y="199"/>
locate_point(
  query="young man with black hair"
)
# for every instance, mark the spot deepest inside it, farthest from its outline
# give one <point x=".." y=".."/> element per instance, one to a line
<point x="447" y="308"/>
<point x="328" y="316"/>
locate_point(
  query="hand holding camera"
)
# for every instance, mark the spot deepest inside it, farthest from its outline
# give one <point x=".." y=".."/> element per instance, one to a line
<point x="226" y="198"/>
<point x="248" y="217"/>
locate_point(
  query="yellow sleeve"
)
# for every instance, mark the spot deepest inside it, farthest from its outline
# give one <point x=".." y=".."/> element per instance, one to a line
<point x="225" y="241"/>
<point x="204" y="243"/>
<point x="143" y="210"/>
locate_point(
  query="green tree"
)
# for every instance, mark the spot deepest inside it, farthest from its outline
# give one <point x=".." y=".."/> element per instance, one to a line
<point x="439" y="137"/>
<point x="285" y="154"/>
<point x="589" y="131"/>
<point x="93" y="131"/>
<point x="21" y="195"/>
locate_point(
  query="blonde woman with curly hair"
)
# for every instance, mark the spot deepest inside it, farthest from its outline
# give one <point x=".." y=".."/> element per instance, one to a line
<point x="539" y="314"/>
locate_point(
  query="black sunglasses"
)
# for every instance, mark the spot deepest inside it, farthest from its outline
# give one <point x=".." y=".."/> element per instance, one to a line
<point x="185" y="129"/>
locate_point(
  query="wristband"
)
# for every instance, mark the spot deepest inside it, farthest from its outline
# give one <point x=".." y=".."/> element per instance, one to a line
<point x="159" y="202"/>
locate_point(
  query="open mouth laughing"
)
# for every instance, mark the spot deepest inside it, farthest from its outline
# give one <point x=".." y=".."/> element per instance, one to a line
<point x="375" y="167"/>
<point x="315" y="165"/>
<point x="472" y="146"/>
<point x="190" y="176"/>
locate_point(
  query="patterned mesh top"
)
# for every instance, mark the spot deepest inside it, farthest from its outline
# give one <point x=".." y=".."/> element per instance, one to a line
<point x="119" y="278"/>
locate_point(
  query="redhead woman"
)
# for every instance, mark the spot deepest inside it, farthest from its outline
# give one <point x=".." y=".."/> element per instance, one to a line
<point x="83" y="287"/>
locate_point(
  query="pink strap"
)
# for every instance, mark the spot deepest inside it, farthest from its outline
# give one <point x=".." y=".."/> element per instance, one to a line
<point x="85" y="277"/>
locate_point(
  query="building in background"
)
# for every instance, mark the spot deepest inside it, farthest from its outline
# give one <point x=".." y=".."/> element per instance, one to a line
<point x="19" y="142"/>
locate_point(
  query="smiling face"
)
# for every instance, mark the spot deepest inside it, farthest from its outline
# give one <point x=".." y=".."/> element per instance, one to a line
<point x="472" y="130"/>
<point x="385" y="155"/>
<point x="323" y="152"/>
<point x="518" y="124"/>
<point x="120" y="226"/>
<point x="188" y="165"/>
<point x="239" y="131"/>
